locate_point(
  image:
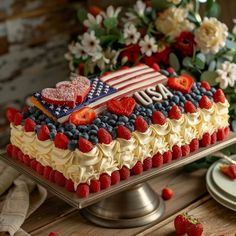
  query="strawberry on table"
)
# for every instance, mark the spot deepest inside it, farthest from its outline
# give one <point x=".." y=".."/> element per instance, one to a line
<point x="194" y="228"/>
<point x="180" y="223"/>
<point x="84" y="116"/>
<point x="167" y="193"/>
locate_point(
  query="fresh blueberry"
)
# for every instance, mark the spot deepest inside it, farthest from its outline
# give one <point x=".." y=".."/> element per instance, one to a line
<point x="165" y="103"/>
<point x="137" y="106"/>
<point x="178" y="93"/>
<point x="52" y="134"/>
<point x="97" y="121"/>
<point x="94" y="127"/>
<point x="149" y="112"/>
<point x="72" y="145"/>
<point x="32" y="110"/>
<point x="165" y="113"/>
<point x="92" y="132"/>
<point x="181" y="109"/>
<point x="93" y="139"/>
<point x="188" y="97"/>
<point x="158" y="106"/>
<point x="76" y="134"/>
<point x="114" y="117"/>
<point x="213" y="90"/>
<point x="120" y="123"/>
<point x="113" y="134"/>
<point x="37" y="127"/>
<point x="68" y="134"/>
<point x="102" y="125"/>
<point x="47" y="120"/>
<point x="111" y="122"/>
<point x="181" y="104"/>
<point x="143" y="113"/>
<point x="209" y="94"/>
<point x="202" y="90"/>
<point x="123" y="119"/>
<point x="198" y="98"/>
<point x="173" y="74"/>
<point x="61" y="129"/>
<point x="104" y="118"/>
<point x="133" y="116"/>
<point x="171" y="104"/>
<point x="137" y="113"/>
<point x="148" y="120"/>
<point x="151" y="107"/>
<point x="175" y="99"/>
<point x="195" y="103"/>
<point x="164" y="72"/>
<point x="70" y="126"/>
<point x="42" y="117"/>
<point x="198" y="84"/>
<point x="82" y="128"/>
<point x="130" y="127"/>
<point x="109" y="128"/>
<point x="85" y="135"/>
<point x="51" y="126"/>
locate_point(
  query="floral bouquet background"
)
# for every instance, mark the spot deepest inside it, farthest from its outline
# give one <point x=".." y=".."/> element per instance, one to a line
<point x="170" y="33"/>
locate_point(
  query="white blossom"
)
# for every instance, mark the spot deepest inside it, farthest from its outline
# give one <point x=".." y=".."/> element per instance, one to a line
<point x="91" y="43"/>
<point x="226" y="75"/>
<point x="111" y="12"/>
<point x="131" y="34"/>
<point x="148" y="45"/>
<point x="92" y="20"/>
<point x="140" y="7"/>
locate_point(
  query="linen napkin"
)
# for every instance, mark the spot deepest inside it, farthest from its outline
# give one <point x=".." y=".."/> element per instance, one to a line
<point x="19" y="198"/>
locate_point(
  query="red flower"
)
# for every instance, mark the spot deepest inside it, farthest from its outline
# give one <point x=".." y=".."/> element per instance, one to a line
<point x="131" y="53"/>
<point x="185" y="43"/>
<point x="163" y="56"/>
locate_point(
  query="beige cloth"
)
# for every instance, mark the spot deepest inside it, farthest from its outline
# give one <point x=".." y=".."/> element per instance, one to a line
<point x="19" y="197"/>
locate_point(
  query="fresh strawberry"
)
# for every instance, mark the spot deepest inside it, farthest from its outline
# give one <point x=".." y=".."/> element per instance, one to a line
<point x="33" y="164"/>
<point x="124" y="173"/>
<point x="69" y="185"/>
<point x="60" y="179"/>
<point x="124" y="106"/>
<point x="180" y="223"/>
<point x="15" y="152"/>
<point x="229" y="170"/>
<point x="189" y="107"/>
<point x="205" y="102"/>
<point x="157" y="160"/>
<point x="18" y="118"/>
<point x="105" y="181"/>
<point x="84" y="145"/>
<point x="194" y="228"/>
<point x="137" y="168"/>
<point x="61" y="141"/>
<point x="170" y="70"/>
<point x="20" y="155"/>
<point x="9" y="149"/>
<point x="83" y="116"/>
<point x="167" y="193"/>
<point x="158" y="118"/>
<point x="10" y="114"/>
<point x="219" y="96"/>
<point x="205" y="85"/>
<point x="104" y="136"/>
<point x="167" y="157"/>
<point x="115" y="177"/>
<point x="213" y="138"/>
<point x="27" y="160"/>
<point x="156" y="67"/>
<point x="123" y="132"/>
<point x="194" y="145"/>
<point x="206" y="140"/>
<point x="183" y="83"/>
<point x="82" y="190"/>
<point x="43" y="133"/>
<point x="185" y="150"/>
<point x="147" y="164"/>
<point x="47" y="171"/>
<point x="40" y="168"/>
<point x="52" y="176"/>
<point x="94" y="10"/>
<point x="176" y="152"/>
<point x="95" y="186"/>
<point x="29" y="125"/>
<point x="140" y="124"/>
<point x="174" y="113"/>
<point x="220" y="134"/>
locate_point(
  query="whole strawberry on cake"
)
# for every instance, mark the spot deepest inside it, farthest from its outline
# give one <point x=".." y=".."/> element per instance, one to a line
<point x="88" y="134"/>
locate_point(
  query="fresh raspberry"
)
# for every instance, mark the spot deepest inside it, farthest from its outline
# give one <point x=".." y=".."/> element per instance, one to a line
<point x="176" y="152"/>
<point x="27" y="160"/>
<point x="15" y="152"/>
<point x="140" y="124"/>
<point x="167" y="157"/>
<point x="82" y="190"/>
<point x="29" y="125"/>
<point x="174" y="113"/>
<point x="10" y="114"/>
<point x="105" y="181"/>
<point x="124" y="173"/>
<point x="158" y="118"/>
<point x="194" y="145"/>
<point x="52" y="176"/>
<point x="205" y="85"/>
<point x="95" y="186"/>
<point x="157" y="160"/>
<point x="43" y="133"/>
<point x="20" y="155"/>
<point x="61" y="141"/>
<point x="84" y="145"/>
<point x="40" y="168"/>
<point x="185" y="150"/>
<point x="206" y="140"/>
<point x="226" y="131"/>
<point x="219" y="96"/>
<point x="69" y="185"/>
<point x="205" y="102"/>
<point x="104" y="136"/>
<point x="213" y="138"/>
<point x="147" y="163"/>
<point x="189" y="107"/>
<point x="123" y="132"/>
<point x="18" y="118"/>
<point x="60" y="179"/>
<point x="137" y="169"/>
<point x="33" y="164"/>
<point x="9" y="149"/>
<point x="115" y="177"/>
<point x="220" y="134"/>
<point x="170" y="70"/>
<point x="167" y="193"/>
<point x="47" y="171"/>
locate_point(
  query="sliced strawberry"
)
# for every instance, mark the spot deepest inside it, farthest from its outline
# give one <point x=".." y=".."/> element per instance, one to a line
<point x="10" y="114"/>
<point x="105" y="181"/>
<point x="82" y="190"/>
<point x="219" y="96"/>
<point x="140" y="124"/>
<point x="124" y="106"/>
<point x="123" y="132"/>
<point x="84" y="145"/>
<point x="158" y="118"/>
<point x="205" y="85"/>
<point x="43" y="133"/>
<point x="205" y="102"/>
<point x="61" y="141"/>
<point x="104" y="136"/>
<point x="84" y="116"/>
<point x="174" y="113"/>
<point x="229" y="170"/>
<point x="18" y="118"/>
<point x="69" y="185"/>
<point x="29" y="125"/>
<point x="189" y="107"/>
<point x="167" y="193"/>
<point x="183" y="83"/>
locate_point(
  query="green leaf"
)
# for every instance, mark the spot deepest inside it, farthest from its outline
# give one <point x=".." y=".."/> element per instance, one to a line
<point x="82" y="15"/>
<point x="230" y="44"/>
<point x="111" y="23"/>
<point x="210" y="77"/>
<point x="160" y="5"/>
<point x="187" y="62"/>
<point x="200" y="60"/>
<point x="174" y="61"/>
<point x="212" y="66"/>
<point x="108" y="39"/>
<point x="214" y="10"/>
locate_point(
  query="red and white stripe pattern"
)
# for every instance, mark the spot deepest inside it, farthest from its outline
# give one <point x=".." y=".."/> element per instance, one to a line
<point x="128" y="81"/>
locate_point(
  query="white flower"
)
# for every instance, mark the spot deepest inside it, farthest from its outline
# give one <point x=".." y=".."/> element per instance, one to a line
<point x="111" y="12"/>
<point x="211" y="35"/>
<point x="90" y="43"/>
<point x="140" y="7"/>
<point x="92" y="21"/>
<point x="112" y="55"/>
<point x="174" y="1"/>
<point x="100" y="60"/>
<point x="148" y="45"/>
<point x="226" y="75"/>
<point x="78" y="51"/>
<point x="131" y="34"/>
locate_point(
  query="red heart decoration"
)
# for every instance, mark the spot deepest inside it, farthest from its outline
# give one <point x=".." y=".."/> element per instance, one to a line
<point x="125" y="106"/>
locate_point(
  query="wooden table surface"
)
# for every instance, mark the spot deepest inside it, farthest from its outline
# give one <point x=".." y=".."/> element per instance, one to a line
<point x="190" y="195"/>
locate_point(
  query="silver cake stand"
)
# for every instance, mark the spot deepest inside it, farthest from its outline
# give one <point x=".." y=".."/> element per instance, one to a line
<point x="132" y="202"/>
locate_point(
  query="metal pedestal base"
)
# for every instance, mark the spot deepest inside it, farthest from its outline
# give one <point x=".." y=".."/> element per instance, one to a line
<point x="137" y="206"/>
